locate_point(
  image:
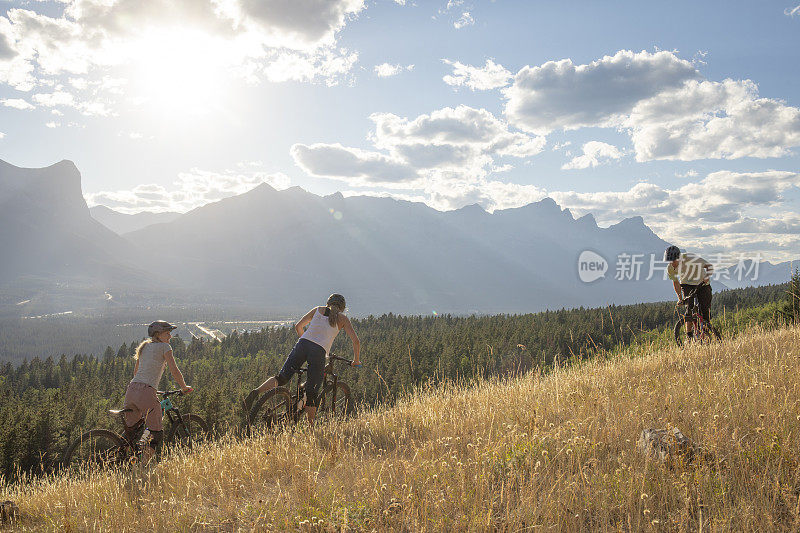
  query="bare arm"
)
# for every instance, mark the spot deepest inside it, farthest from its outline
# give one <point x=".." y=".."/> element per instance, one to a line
<point x="136" y="367"/>
<point x="176" y="373"/>
<point x="678" y="290"/>
<point x="348" y="328"/>
<point x="303" y="322"/>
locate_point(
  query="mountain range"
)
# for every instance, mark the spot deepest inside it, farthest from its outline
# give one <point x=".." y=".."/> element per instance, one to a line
<point x="284" y="251"/>
<point x="125" y="223"/>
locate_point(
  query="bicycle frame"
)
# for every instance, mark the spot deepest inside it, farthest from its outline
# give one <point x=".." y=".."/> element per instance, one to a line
<point x="329" y="377"/>
<point x="700" y="326"/>
<point x="170" y="409"/>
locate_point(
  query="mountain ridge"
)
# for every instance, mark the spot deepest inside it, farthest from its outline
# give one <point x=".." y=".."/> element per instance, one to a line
<point x="121" y="223"/>
<point x="46" y="220"/>
<point x="286" y="250"/>
<point x="434" y="260"/>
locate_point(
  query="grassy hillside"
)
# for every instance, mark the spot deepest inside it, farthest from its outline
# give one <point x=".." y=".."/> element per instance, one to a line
<point x="46" y="403"/>
<point x="556" y="449"/>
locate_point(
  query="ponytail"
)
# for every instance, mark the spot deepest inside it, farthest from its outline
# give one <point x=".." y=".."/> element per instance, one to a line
<point x="142" y="345"/>
<point x="333" y="315"/>
<point x="335" y="305"/>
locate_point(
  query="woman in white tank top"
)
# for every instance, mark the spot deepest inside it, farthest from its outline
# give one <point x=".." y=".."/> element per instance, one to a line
<point x="324" y="323"/>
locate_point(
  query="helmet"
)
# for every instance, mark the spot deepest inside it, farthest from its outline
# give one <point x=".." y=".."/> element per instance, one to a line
<point x="159" y="326"/>
<point x="337" y="300"/>
<point x="672" y="253"/>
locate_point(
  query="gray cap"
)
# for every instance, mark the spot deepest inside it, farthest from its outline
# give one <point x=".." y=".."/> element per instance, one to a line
<point x="159" y="326"/>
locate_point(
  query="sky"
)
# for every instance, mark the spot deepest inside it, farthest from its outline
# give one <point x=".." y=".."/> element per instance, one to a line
<point x="686" y="113"/>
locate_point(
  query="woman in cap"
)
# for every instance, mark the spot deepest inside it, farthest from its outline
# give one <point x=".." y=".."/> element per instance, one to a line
<point x="140" y="398"/>
<point x="324" y="323"/>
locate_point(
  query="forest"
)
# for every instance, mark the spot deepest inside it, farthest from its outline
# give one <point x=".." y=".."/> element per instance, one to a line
<point x="45" y="403"/>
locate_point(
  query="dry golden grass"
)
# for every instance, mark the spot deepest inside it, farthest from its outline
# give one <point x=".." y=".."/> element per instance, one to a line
<point x="555" y="452"/>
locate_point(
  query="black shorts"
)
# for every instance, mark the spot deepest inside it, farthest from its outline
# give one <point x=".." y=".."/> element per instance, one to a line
<point x="306" y="351"/>
<point x="703" y="298"/>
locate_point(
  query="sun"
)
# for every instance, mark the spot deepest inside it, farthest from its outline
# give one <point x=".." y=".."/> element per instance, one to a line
<point x="179" y="72"/>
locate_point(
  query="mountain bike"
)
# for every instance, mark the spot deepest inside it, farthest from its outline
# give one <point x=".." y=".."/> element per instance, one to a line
<point x="104" y="447"/>
<point x="704" y="331"/>
<point x="278" y="407"/>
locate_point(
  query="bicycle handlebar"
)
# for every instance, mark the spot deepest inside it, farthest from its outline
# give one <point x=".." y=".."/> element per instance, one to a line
<point x="166" y="393"/>
<point x="682" y="301"/>
<point x="334" y="357"/>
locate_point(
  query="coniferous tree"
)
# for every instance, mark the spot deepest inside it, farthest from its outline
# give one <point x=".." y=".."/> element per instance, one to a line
<point x="791" y="307"/>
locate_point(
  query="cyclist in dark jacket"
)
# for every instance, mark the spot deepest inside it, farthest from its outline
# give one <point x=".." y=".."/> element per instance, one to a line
<point x="690" y="273"/>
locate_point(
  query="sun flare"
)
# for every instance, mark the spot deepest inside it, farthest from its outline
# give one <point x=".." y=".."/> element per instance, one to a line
<point x="180" y="72"/>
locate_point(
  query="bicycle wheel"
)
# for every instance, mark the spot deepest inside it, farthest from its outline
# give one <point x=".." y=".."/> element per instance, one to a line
<point x="680" y="332"/>
<point x="710" y="333"/>
<point x="98" y="448"/>
<point x="342" y="407"/>
<point x="191" y="431"/>
<point x="273" y="409"/>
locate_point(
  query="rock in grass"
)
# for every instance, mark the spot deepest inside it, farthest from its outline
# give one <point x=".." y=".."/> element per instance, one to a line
<point x="669" y="446"/>
<point x="8" y="512"/>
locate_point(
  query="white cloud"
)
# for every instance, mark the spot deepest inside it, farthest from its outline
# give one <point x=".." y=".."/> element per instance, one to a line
<point x="14" y="69"/>
<point x="792" y="11"/>
<point x="561" y="145"/>
<point x="787" y="223"/>
<point x="79" y="83"/>
<point x="297" y="24"/>
<point x="133" y="135"/>
<point x="386" y="194"/>
<point x="463" y="126"/>
<point x="7" y="50"/>
<point x="464" y="20"/>
<point x="326" y="64"/>
<point x="719" y="212"/>
<point x="191" y="189"/>
<point x="594" y="153"/>
<point x="719" y="197"/>
<point x="16" y="103"/>
<point x="358" y="167"/>
<point x="61" y="98"/>
<point x="276" y="40"/>
<point x="447" y="159"/>
<point x="688" y="174"/>
<point x="489" y="194"/>
<point x="54" y="99"/>
<point x="713" y="120"/>
<point x="450" y="154"/>
<point x="385" y="70"/>
<point x="562" y="95"/>
<point x="2" y="135"/>
<point x="670" y="111"/>
<point x="490" y="76"/>
<point x="453" y="194"/>
<point x="53" y="124"/>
